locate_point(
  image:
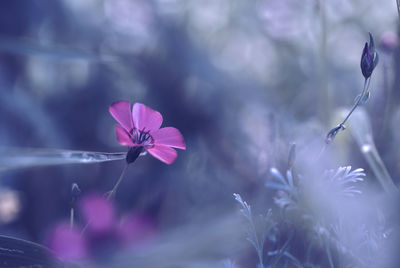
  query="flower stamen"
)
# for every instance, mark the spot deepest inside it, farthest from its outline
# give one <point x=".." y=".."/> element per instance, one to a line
<point x="140" y="137"/>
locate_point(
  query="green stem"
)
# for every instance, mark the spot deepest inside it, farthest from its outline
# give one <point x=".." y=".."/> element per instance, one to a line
<point x="282" y="251"/>
<point x="388" y="99"/>
<point x="324" y="94"/>
<point x="112" y="193"/>
<point x="71" y="218"/>
<point x="328" y="253"/>
<point x="334" y="131"/>
<point x="362" y="131"/>
<point x="378" y="167"/>
<point x="260" y="246"/>
<point x="366" y="85"/>
<point x="398" y="7"/>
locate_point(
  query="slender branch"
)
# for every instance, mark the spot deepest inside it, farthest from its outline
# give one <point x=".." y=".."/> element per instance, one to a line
<point x="75" y="192"/>
<point x="366" y="85"/>
<point x="328" y="253"/>
<point x="334" y="131"/>
<point x="324" y="92"/>
<point x="398" y="7"/>
<point x="17" y="158"/>
<point x="388" y="98"/>
<point x="111" y="193"/>
<point x="318" y="156"/>
<point x="71" y="218"/>
<point x="378" y="167"/>
<point x="282" y="250"/>
<point x="259" y="245"/>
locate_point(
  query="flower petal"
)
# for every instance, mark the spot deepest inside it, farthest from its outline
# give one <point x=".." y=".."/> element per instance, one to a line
<point x="121" y="111"/>
<point x="164" y="153"/>
<point x="145" y="117"/>
<point x="122" y="136"/>
<point x="169" y="136"/>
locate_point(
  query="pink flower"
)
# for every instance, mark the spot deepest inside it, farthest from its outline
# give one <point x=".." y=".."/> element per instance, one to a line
<point x="140" y="129"/>
<point x="98" y="212"/>
<point x="67" y="243"/>
<point x="101" y="229"/>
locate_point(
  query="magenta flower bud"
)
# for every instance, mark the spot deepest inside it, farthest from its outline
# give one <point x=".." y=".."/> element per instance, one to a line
<point x="369" y="58"/>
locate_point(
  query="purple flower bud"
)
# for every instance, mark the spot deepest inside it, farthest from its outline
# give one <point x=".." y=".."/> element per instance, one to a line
<point x="369" y="58"/>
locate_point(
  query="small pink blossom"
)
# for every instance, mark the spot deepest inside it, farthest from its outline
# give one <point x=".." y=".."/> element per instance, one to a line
<point x="67" y="243"/>
<point x="98" y="212"/>
<point x="101" y="228"/>
<point x="141" y="129"/>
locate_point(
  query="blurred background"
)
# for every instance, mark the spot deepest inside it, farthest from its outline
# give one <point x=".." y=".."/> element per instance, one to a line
<point x="241" y="80"/>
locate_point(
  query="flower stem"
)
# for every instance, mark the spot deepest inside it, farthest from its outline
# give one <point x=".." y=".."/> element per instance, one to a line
<point x="71" y="218"/>
<point x="324" y="93"/>
<point x="259" y="246"/>
<point x="329" y="254"/>
<point x="366" y="85"/>
<point x="334" y="131"/>
<point x="109" y="194"/>
<point x="112" y="193"/>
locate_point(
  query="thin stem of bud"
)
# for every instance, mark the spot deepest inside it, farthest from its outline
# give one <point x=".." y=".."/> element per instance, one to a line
<point x="318" y="156"/>
<point x="366" y="86"/>
<point x="334" y="131"/>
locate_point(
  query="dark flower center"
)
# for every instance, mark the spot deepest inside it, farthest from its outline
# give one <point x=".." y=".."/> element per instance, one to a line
<point x="141" y="137"/>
